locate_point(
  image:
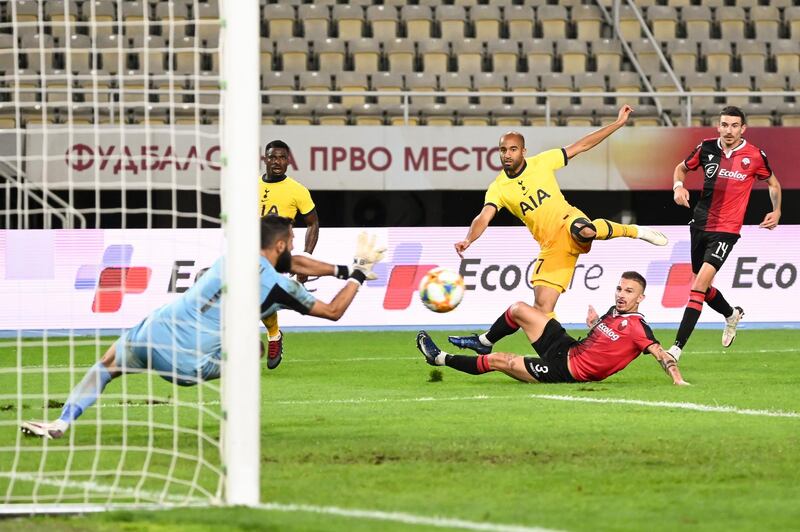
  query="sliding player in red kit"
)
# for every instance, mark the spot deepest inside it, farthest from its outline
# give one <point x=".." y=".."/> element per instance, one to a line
<point x="730" y="165"/>
<point x="614" y="341"/>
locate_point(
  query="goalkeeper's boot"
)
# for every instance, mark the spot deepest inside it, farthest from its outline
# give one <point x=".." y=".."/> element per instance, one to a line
<point x="427" y="348"/>
<point x="729" y="333"/>
<point x="470" y="342"/>
<point x="657" y="238"/>
<point x="51" y="431"/>
<point x="275" y="351"/>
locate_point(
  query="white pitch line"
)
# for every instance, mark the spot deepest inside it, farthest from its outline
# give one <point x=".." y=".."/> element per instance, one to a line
<point x="401" y="517"/>
<point x="290" y="360"/>
<point x="653" y="404"/>
<point x="99" y="488"/>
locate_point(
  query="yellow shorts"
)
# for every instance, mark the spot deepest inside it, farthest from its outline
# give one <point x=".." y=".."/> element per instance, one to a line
<point x="555" y="265"/>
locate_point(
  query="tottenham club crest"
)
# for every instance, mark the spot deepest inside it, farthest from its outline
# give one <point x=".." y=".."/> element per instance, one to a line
<point x="746" y="163"/>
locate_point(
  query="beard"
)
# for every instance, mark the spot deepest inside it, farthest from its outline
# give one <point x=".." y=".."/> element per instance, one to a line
<point x="284" y="262"/>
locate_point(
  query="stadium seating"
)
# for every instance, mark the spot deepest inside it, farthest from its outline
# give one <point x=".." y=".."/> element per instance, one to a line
<point x="519" y="45"/>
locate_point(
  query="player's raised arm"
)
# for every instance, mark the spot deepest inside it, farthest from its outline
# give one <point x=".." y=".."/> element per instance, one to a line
<point x="308" y="266"/>
<point x="596" y="137"/>
<point x="476" y="228"/>
<point x="680" y="195"/>
<point x="592" y="317"/>
<point x="668" y="363"/>
<point x="772" y="218"/>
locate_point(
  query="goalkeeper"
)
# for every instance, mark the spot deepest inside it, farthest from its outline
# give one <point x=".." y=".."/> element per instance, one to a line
<point x="182" y="341"/>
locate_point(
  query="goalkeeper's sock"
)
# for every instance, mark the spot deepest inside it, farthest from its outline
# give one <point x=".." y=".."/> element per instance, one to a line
<point x="85" y="393"/>
<point x="271" y="323"/>
<point x="606" y="229"/>
<point x="467" y="364"/>
<point x="690" y="317"/>
<point x="502" y="327"/>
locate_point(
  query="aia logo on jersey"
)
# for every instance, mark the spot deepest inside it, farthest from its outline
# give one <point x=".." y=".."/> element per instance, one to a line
<point x="746" y="163"/>
<point x="711" y="169"/>
<point x="112" y="279"/>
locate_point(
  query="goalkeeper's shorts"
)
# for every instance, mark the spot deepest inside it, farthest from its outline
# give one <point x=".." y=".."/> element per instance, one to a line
<point x="141" y="348"/>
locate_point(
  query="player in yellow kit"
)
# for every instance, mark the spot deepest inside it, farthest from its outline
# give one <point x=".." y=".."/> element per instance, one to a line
<point x="281" y="195"/>
<point x="528" y="188"/>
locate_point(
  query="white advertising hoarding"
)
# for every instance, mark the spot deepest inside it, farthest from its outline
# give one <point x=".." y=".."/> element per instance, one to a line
<point x="50" y="279"/>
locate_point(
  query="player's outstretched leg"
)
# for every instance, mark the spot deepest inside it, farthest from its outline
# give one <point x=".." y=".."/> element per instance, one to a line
<point x="436" y="357"/>
<point x="482" y="344"/>
<point x="602" y="229"/>
<point x="731" y="322"/>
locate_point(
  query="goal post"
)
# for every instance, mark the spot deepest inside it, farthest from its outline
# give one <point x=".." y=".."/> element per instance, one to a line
<point x="241" y="122"/>
<point x="129" y="163"/>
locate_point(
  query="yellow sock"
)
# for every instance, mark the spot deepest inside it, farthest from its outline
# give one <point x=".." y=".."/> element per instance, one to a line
<point x="551" y="315"/>
<point x="606" y="229"/>
<point x="271" y="323"/>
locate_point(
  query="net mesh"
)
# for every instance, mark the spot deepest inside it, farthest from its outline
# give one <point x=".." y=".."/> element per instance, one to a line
<point x="109" y="143"/>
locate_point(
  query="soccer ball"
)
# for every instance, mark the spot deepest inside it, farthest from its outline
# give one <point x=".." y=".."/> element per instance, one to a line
<point x="441" y="290"/>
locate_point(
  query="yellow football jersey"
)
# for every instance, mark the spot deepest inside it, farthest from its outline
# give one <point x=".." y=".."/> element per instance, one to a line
<point x="534" y="196"/>
<point x="286" y="198"/>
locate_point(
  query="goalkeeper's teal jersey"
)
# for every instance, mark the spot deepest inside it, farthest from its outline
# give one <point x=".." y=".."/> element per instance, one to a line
<point x="184" y="337"/>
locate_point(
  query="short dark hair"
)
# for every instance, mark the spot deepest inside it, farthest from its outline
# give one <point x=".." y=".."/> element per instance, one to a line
<point x="274" y="228"/>
<point x="277" y="144"/>
<point x="732" y="110"/>
<point x="635" y="276"/>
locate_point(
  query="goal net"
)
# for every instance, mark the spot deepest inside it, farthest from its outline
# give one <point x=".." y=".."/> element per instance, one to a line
<point x="116" y="179"/>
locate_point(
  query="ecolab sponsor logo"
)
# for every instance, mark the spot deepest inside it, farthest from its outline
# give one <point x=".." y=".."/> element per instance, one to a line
<point x="605" y="329"/>
<point x="729" y="174"/>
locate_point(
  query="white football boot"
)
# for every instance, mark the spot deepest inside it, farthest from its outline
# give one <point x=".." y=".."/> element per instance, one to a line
<point x="729" y="333"/>
<point x="657" y="238"/>
<point x="51" y="431"/>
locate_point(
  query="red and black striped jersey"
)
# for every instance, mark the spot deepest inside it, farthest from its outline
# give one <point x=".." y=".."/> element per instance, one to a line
<point x="611" y="345"/>
<point x="729" y="177"/>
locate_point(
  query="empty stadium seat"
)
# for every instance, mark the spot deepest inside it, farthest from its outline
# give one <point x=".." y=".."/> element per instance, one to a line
<point x="187" y="56"/>
<point x="646" y="55"/>
<point x="588" y="82"/>
<point x="607" y="54"/>
<point x="557" y="82"/>
<point x="455" y="82"/>
<point x="265" y="54"/>
<point x="368" y="114"/>
<point x="352" y="82"/>
<point x="520" y="21"/>
<point x="315" y="20"/>
<point x="759" y="115"/>
<point x="330" y="55"/>
<point x="789" y="114"/>
<point x="297" y="114"/>
<point x="8" y="60"/>
<point x="508" y="115"/>
<point x="731" y="20"/>
<point x="489" y="82"/>
<point x="62" y="16"/>
<point x="422" y="81"/>
<point x="469" y="55"/>
<point x="752" y="56"/>
<point x="736" y="82"/>
<point x="207" y="21"/>
<point x="315" y="81"/>
<point x="388" y="81"/>
<point x="698" y="82"/>
<point x="588" y="21"/>
<point x="23" y="10"/>
<point x="718" y="55"/>
<point x="171" y="18"/>
<point x="527" y="86"/>
<point x="280" y="20"/>
<point x="787" y="55"/>
<point x="281" y="81"/>
<point x="766" y="22"/>
<point x="418" y="20"/>
<point x="683" y="55"/>
<point x="400" y="55"/>
<point x="539" y="54"/>
<point x="574" y="56"/>
<point x="349" y="20"/>
<point x="435" y="55"/>
<point x="771" y="82"/>
<point x="625" y="82"/>
<point x="366" y="55"/>
<point x="486" y="22"/>
<point x="102" y="16"/>
<point x="504" y="55"/>
<point x="473" y="115"/>
<point x="331" y="114"/>
<point x="38" y="50"/>
<point x="80" y="55"/>
<point x="663" y="21"/>
<point x="452" y="22"/>
<point x="792" y="17"/>
<point x="553" y="20"/>
<point x="293" y="53"/>
<point x="577" y="115"/>
<point x="628" y="23"/>
<point x="436" y="114"/>
<point x="383" y="20"/>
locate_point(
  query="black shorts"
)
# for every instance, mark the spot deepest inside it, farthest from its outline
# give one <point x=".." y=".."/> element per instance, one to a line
<point x="711" y="247"/>
<point x="553" y="348"/>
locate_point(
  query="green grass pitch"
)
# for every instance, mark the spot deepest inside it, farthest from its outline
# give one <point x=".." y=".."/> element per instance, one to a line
<point x="357" y="421"/>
